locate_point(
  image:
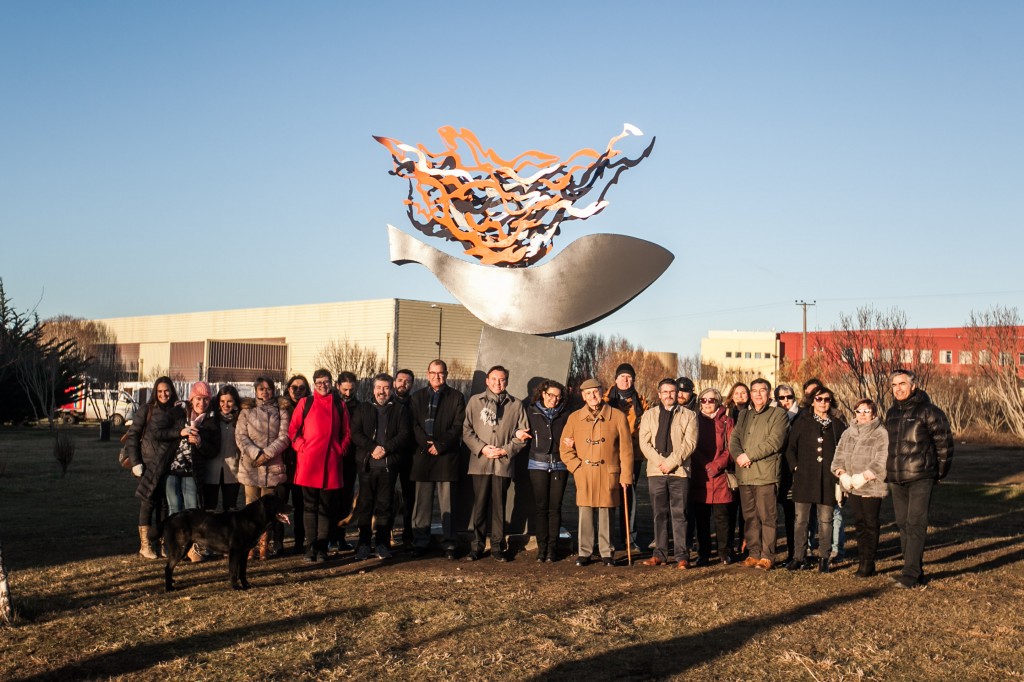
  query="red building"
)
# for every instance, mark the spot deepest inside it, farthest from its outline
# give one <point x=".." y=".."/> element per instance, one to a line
<point x="955" y="350"/>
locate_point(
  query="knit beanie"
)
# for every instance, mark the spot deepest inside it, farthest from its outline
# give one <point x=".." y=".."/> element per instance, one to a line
<point x="625" y="368"/>
<point x="201" y="389"/>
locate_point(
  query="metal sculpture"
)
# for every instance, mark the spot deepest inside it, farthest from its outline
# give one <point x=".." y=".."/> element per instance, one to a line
<point x="507" y="213"/>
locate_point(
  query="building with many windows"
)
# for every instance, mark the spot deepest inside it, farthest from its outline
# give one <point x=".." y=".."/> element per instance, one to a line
<point x="745" y="355"/>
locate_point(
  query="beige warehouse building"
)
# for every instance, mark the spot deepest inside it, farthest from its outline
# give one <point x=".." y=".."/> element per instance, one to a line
<point x="743" y="354"/>
<point x="236" y="345"/>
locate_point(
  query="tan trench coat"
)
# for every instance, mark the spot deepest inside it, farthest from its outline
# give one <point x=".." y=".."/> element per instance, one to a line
<point x="601" y="459"/>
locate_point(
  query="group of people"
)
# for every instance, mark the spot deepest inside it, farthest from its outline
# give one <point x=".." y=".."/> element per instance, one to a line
<point x="731" y="460"/>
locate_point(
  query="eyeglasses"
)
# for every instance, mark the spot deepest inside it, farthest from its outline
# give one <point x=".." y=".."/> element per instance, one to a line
<point x="785" y="397"/>
<point x="822" y="399"/>
<point x="553" y="396"/>
<point x="321" y="383"/>
<point x="863" y="411"/>
<point x="297" y="387"/>
<point x="708" y="401"/>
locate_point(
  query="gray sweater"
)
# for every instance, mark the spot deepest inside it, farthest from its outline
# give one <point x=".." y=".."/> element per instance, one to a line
<point x="864" y="447"/>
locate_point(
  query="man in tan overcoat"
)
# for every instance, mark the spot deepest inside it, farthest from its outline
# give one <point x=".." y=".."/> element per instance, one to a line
<point x="597" y="448"/>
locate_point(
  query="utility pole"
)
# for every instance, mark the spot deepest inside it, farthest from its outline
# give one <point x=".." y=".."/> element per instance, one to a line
<point x="804" y="304"/>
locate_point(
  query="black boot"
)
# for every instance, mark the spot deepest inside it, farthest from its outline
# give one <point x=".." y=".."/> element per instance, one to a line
<point x="823" y="565"/>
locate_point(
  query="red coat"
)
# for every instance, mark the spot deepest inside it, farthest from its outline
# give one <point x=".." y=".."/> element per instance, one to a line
<point x="320" y="440"/>
<point x="711" y="459"/>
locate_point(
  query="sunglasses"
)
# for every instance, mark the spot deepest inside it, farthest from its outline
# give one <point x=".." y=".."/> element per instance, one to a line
<point x="708" y="401"/>
<point x="863" y="411"/>
<point x="822" y="399"/>
<point x="785" y="397"/>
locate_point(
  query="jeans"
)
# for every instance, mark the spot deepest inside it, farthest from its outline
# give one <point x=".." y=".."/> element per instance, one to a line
<point x="182" y="493"/>
<point x="803" y="515"/>
<point x="668" y="502"/>
<point x="910" y="501"/>
<point x="548" y="490"/>
<point x="226" y="491"/>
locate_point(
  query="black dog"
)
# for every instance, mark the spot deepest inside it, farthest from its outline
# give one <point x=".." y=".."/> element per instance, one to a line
<point x="233" y="533"/>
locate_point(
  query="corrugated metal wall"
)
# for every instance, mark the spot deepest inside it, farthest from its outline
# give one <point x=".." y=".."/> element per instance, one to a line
<point x="237" y="361"/>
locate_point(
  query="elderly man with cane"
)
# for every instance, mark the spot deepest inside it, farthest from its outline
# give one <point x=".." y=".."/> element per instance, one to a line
<point x="597" y="448"/>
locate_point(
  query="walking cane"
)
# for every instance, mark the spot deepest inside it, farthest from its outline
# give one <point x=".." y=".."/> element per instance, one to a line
<point x="629" y="536"/>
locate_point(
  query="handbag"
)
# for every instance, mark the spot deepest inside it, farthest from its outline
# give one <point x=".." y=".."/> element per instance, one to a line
<point x="731" y="481"/>
<point x="122" y="456"/>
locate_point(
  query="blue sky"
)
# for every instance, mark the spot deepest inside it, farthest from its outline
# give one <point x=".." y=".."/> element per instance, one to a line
<point x="171" y="157"/>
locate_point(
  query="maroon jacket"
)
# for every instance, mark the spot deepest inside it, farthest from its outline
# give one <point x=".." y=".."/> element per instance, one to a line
<point x="711" y="459"/>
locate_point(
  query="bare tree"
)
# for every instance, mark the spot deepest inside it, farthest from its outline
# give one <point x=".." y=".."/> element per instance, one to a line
<point x="649" y="367"/>
<point x="690" y="366"/>
<point x="997" y="348"/>
<point x="587" y="351"/>
<point x="864" y="351"/>
<point x="959" y="400"/>
<point x="348" y="356"/>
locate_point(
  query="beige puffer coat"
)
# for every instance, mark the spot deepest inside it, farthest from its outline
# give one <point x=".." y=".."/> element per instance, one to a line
<point x="262" y="426"/>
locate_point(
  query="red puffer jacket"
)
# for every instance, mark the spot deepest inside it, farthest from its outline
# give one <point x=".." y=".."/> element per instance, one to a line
<point x="320" y="439"/>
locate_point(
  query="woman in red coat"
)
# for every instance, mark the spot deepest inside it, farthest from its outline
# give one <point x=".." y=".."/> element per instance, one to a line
<point x="709" y="483"/>
<point x="319" y="432"/>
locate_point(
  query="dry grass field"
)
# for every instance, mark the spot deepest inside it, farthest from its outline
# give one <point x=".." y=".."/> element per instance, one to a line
<point x="88" y="607"/>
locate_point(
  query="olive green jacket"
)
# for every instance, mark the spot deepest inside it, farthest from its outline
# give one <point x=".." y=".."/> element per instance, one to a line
<point x="759" y="435"/>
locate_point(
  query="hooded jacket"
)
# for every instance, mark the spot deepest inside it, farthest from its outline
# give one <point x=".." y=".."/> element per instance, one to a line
<point x="920" y="440"/>
<point x="262" y="425"/>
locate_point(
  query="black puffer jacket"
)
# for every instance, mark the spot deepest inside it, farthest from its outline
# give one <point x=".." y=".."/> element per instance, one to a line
<point x="920" y="440"/>
<point x="152" y="440"/>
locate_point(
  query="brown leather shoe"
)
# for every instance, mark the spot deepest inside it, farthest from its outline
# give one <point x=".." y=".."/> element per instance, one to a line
<point x="683" y="564"/>
<point x="653" y="561"/>
<point x="750" y="562"/>
<point x="765" y="564"/>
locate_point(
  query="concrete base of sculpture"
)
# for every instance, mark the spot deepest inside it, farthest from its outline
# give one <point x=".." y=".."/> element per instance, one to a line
<point x="530" y="359"/>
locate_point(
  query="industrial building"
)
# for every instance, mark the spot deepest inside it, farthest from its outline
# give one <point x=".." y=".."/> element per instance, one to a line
<point x="238" y="345"/>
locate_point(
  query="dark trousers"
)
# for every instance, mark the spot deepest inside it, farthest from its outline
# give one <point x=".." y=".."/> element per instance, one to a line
<point x="317" y="505"/>
<point x="803" y="517"/>
<point x="489" y="489"/>
<point x="343" y="502"/>
<point x="760" y="516"/>
<point x="702" y="513"/>
<point x="408" y="487"/>
<point x="376" y="496"/>
<point x="910" y="501"/>
<point x="298" y="513"/>
<point x="668" y="504"/>
<point x="789" y="519"/>
<point x="153" y="512"/>
<point x="736" y="526"/>
<point x="548" y="490"/>
<point x="227" y="491"/>
<point x="865" y="511"/>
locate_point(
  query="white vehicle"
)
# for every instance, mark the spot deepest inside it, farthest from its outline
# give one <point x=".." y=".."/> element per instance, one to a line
<point x="99" y="404"/>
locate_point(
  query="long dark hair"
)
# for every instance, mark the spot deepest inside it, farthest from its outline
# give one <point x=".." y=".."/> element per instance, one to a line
<point x="174" y="392"/>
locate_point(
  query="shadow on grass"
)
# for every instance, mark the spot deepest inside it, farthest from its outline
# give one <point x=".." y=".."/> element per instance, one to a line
<point x="134" y="659"/>
<point x="660" y="660"/>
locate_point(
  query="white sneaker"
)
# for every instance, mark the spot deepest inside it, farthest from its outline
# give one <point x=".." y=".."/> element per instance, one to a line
<point x="383" y="552"/>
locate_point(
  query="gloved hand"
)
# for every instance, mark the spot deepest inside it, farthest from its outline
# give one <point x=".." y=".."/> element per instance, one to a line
<point x="858" y="480"/>
<point x="138" y="469"/>
<point x="847" y="481"/>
